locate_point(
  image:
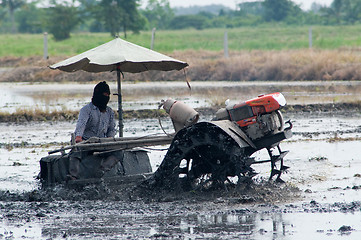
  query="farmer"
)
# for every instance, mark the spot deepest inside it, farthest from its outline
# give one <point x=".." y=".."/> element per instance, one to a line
<point x="95" y="119"/>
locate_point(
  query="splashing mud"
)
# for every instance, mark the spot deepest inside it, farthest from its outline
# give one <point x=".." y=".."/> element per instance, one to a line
<point x="314" y="189"/>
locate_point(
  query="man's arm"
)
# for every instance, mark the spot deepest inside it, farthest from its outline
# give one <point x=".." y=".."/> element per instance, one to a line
<point x="111" y="129"/>
<point x="81" y="124"/>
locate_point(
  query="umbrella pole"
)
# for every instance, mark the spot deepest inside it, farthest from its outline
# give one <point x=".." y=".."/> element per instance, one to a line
<point x="120" y="109"/>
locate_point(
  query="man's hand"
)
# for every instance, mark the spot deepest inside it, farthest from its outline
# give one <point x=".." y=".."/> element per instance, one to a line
<point x="78" y="139"/>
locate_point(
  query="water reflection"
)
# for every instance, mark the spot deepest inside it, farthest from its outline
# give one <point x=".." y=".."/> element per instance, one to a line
<point x="249" y="225"/>
<point x="259" y="223"/>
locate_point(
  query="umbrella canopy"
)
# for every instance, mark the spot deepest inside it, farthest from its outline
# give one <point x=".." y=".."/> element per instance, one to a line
<point x="130" y="58"/>
<point x="121" y="56"/>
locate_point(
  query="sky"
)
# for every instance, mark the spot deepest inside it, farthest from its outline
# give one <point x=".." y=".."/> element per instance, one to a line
<point x="305" y="4"/>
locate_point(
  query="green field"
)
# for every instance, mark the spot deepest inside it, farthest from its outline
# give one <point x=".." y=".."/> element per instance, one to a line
<point x="268" y="37"/>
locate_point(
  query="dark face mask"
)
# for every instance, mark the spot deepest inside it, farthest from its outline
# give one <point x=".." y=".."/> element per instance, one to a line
<point x="100" y="101"/>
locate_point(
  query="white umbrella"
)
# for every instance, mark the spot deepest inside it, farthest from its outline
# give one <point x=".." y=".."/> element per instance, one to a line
<point x="121" y="56"/>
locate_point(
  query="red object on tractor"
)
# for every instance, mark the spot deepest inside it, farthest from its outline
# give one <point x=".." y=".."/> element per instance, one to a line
<point x="246" y="113"/>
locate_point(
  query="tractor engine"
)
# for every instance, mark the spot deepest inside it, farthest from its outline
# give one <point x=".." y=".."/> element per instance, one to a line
<point x="207" y="154"/>
<point x="257" y="117"/>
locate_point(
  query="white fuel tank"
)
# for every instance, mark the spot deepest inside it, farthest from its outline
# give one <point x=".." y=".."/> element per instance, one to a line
<point x="181" y="114"/>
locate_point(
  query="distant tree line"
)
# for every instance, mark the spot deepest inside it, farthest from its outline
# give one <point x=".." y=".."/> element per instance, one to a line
<point x="61" y="17"/>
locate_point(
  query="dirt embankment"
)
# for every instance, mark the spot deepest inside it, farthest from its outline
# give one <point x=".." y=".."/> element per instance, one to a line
<point x="287" y="65"/>
<point x="39" y="115"/>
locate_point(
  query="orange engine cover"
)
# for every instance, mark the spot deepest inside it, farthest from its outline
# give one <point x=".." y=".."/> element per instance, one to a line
<point x="246" y="113"/>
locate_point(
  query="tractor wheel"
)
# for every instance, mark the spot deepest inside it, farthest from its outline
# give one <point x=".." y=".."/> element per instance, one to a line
<point x="203" y="156"/>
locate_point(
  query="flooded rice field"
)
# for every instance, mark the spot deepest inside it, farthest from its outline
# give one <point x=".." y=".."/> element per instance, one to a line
<point x="320" y="200"/>
<point x="72" y="96"/>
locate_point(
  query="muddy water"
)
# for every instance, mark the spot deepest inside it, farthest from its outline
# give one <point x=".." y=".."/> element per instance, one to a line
<point x="324" y="174"/>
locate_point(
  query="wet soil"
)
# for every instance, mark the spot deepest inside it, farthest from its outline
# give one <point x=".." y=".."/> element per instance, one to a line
<point x="320" y="199"/>
<point x="68" y="115"/>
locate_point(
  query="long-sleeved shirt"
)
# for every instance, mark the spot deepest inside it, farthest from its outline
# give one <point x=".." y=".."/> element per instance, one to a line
<point x="94" y="123"/>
